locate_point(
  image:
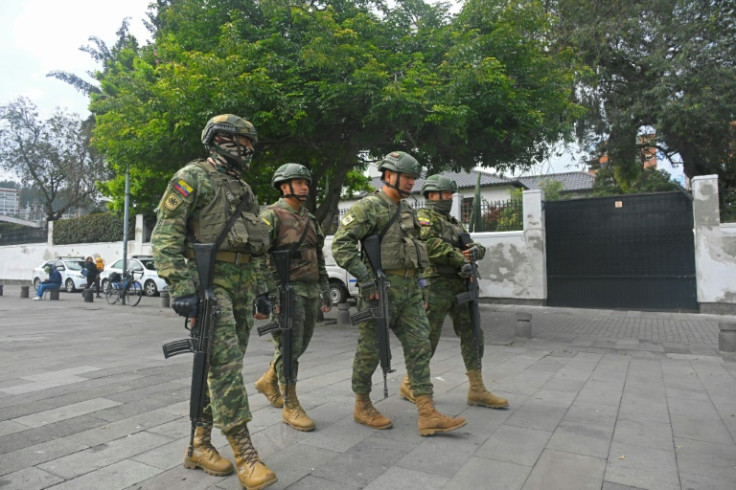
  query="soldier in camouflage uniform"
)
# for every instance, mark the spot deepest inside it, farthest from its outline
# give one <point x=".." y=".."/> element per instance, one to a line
<point x="403" y="256"/>
<point x="293" y="228"/>
<point x="195" y="208"/>
<point x="447" y="275"/>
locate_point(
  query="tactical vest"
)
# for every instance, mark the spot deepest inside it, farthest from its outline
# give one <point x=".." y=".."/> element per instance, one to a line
<point x="248" y="233"/>
<point x="401" y="247"/>
<point x="305" y="259"/>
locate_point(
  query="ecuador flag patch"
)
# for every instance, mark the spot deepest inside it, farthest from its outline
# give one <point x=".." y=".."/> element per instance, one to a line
<point x="424" y="222"/>
<point x="183" y="188"/>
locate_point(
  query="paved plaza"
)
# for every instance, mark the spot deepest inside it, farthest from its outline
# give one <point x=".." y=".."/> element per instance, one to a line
<point x="599" y="399"/>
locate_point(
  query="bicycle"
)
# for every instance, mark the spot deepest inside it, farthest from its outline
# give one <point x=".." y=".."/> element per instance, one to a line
<point x="125" y="289"/>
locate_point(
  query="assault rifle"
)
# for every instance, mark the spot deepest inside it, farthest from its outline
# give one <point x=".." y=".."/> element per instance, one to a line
<point x="200" y="339"/>
<point x="471" y="295"/>
<point x="282" y="260"/>
<point x="378" y="311"/>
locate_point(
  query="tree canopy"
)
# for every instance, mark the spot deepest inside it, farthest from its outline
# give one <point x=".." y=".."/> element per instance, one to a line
<point x="664" y="77"/>
<point x="53" y="155"/>
<point x="333" y="85"/>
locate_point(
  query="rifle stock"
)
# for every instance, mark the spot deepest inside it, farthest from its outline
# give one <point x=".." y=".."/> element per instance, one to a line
<point x="200" y="341"/>
<point x="379" y="312"/>
<point x="471" y="296"/>
<point x="282" y="261"/>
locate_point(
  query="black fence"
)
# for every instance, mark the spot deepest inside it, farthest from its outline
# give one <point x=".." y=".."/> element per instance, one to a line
<point x="27" y="235"/>
<point x="495" y="216"/>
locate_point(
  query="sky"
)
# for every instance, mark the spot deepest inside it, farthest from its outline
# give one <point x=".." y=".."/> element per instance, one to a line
<point x="40" y="36"/>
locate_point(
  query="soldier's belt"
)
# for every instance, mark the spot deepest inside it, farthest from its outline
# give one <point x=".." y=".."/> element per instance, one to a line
<point x="236" y="258"/>
<point x="400" y="272"/>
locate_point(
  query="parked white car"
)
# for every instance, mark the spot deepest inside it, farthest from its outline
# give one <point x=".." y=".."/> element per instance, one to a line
<point x="145" y="273"/>
<point x="343" y="286"/>
<point x="70" y="269"/>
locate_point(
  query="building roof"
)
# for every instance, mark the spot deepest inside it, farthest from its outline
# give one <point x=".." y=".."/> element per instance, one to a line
<point x="464" y="180"/>
<point x="571" y="181"/>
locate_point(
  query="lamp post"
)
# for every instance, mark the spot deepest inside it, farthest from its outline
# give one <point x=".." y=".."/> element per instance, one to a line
<point x="126" y="216"/>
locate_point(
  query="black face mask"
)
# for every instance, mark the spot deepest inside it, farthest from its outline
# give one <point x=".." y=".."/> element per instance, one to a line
<point x="442" y="207"/>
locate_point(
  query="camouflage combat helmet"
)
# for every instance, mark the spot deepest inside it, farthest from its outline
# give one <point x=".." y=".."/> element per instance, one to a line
<point x="438" y="183"/>
<point x="287" y="173"/>
<point x="231" y="125"/>
<point x="400" y="161"/>
<point x="290" y="171"/>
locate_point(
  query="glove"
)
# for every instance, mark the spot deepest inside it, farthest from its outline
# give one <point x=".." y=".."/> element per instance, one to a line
<point x="473" y="253"/>
<point x="466" y="271"/>
<point x="186" y="306"/>
<point x="326" y="301"/>
<point x="263" y="304"/>
<point x="367" y="289"/>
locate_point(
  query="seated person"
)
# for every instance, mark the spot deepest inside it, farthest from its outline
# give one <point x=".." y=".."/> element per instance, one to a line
<point x="53" y="282"/>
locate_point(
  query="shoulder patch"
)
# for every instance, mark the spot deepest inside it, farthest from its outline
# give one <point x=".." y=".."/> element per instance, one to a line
<point x="172" y="201"/>
<point x="182" y="187"/>
<point x="347" y="219"/>
<point x="424" y="221"/>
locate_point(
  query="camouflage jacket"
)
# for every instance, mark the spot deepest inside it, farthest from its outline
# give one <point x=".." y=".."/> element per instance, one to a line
<point x="441" y="233"/>
<point x="189" y="191"/>
<point x="285" y="235"/>
<point x="370" y="216"/>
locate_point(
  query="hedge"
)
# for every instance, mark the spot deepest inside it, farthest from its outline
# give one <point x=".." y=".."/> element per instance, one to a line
<point x="98" y="227"/>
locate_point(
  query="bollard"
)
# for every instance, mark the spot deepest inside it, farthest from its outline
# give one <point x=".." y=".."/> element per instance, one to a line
<point x="88" y="296"/>
<point x="727" y="337"/>
<point x="523" y="325"/>
<point x="24" y="291"/>
<point x="53" y="294"/>
<point x="343" y="314"/>
<point x="165" y="302"/>
<point x="1" y="289"/>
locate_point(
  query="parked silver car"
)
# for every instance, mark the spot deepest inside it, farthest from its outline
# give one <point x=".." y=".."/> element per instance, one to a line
<point x="70" y="269"/>
<point x="145" y="273"/>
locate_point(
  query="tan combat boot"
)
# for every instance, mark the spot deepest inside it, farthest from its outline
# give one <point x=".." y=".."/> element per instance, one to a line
<point x="252" y="472"/>
<point x="365" y="413"/>
<point x="478" y="395"/>
<point x="268" y="384"/>
<point x="431" y="421"/>
<point x="405" y="390"/>
<point x="293" y="413"/>
<point x="205" y="456"/>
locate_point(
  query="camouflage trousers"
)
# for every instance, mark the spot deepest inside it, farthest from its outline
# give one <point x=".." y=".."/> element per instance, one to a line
<point x="409" y="322"/>
<point x="442" y="291"/>
<point x="302" y="329"/>
<point x="234" y="287"/>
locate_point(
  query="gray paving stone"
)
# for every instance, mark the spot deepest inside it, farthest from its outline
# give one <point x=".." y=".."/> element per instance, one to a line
<point x="125" y="427"/>
<point x="645" y="433"/>
<point x="600" y="392"/>
<point x="561" y="470"/>
<point x="537" y="416"/>
<point x="488" y="474"/>
<point x="584" y="439"/>
<point x="86" y="461"/>
<point x="642" y="467"/>
<point x="441" y="455"/>
<point x="64" y="428"/>
<point x="514" y="445"/>
<point x="30" y="478"/>
<point x="30" y="456"/>
<point x="311" y="482"/>
<point x="116" y="476"/>
<point x="708" y="460"/>
<point x="364" y="462"/>
<point x="397" y="478"/>
<point x="64" y="413"/>
<point x="701" y="429"/>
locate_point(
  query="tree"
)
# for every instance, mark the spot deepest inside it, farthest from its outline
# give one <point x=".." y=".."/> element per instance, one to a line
<point x="651" y="180"/>
<point x="664" y="69"/>
<point x="335" y="84"/>
<point x="52" y="155"/>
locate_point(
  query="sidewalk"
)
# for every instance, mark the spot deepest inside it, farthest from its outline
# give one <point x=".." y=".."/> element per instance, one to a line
<point x="599" y="399"/>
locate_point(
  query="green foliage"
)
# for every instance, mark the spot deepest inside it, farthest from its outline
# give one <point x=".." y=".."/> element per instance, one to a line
<point x="651" y="180"/>
<point x="552" y="189"/>
<point x="510" y="218"/>
<point x="663" y="67"/>
<point x="99" y="227"/>
<point x="333" y="86"/>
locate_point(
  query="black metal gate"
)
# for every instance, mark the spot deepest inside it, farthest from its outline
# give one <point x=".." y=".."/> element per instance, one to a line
<point x="624" y="252"/>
